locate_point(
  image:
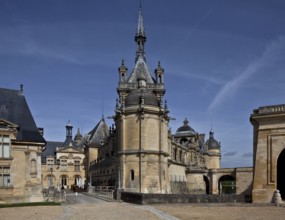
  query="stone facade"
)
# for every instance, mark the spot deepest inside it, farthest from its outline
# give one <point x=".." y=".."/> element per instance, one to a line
<point x="268" y="150"/>
<point x="63" y="163"/>
<point x="21" y="146"/>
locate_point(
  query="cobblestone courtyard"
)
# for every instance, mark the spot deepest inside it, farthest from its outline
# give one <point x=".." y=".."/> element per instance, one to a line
<point x="114" y="210"/>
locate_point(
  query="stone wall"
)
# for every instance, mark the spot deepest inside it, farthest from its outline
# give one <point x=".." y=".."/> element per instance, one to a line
<point x="244" y="178"/>
<point x="141" y="198"/>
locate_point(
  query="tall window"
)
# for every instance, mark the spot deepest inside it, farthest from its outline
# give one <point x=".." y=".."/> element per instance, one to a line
<point x="50" y="162"/>
<point x="76" y="165"/>
<point x="4" y="146"/>
<point x="33" y="170"/>
<point x="132" y="175"/>
<point x="63" y="164"/>
<point x="5" y="179"/>
<point x="64" y="180"/>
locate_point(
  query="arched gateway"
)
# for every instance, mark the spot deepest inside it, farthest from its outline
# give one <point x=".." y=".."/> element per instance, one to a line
<point x="281" y="174"/>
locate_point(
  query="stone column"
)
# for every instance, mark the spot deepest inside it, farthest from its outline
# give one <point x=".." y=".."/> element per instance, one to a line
<point x="214" y="184"/>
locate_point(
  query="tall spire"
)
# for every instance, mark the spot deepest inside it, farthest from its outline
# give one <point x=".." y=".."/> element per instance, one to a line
<point x="140" y="29"/>
<point x="140" y="37"/>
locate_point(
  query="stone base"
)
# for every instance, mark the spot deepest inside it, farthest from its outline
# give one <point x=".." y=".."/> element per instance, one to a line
<point x="262" y="195"/>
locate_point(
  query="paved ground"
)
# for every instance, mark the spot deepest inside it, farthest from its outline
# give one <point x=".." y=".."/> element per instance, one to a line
<point x="223" y="211"/>
<point x="72" y="198"/>
<point x="86" y="207"/>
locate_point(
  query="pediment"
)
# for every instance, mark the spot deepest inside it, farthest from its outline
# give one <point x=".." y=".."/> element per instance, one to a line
<point x="69" y="150"/>
<point x="4" y="124"/>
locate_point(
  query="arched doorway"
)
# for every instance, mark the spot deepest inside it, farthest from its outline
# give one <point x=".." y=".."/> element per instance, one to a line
<point x="207" y="184"/>
<point x="227" y="185"/>
<point x="78" y="181"/>
<point x="64" y="181"/>
<point x="281" y="174"/>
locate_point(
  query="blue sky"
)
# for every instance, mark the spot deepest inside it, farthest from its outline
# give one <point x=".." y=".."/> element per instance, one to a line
<point x="222" y="59"/>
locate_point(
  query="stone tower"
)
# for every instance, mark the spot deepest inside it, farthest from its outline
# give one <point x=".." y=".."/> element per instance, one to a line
<point x="142" y="125"/>
<point x="213" y="155"/>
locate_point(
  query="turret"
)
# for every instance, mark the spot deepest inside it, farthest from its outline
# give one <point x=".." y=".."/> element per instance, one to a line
<point x="159" y="72"/>
<point x="69" y="131"/>
<point x="214" y="152"/>
<point x="122" y="72"/>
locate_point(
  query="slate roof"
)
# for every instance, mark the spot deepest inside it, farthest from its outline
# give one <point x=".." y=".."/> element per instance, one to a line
<point x="212" y="142"/>
<point x="185" y="129"/>
<point x="98" y="134"/>
<point x="134" y="98"/>
<point x="69" y="143"/>
<point x="14" y="108"/>
<point x="141" y="69"/>
<point x="50" y="149"/>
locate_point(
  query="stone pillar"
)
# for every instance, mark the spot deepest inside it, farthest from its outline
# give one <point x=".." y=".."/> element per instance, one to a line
<point x="214" y="184"/>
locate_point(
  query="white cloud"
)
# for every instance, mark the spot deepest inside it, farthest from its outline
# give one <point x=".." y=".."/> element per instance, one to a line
<point x="274" y="51"/>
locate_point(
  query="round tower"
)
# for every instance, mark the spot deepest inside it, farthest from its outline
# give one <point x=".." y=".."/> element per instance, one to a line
<point x="214" y="152"/>
<point x="142" y="127"/>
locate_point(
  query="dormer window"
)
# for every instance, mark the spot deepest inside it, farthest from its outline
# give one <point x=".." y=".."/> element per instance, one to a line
<point x="50" y="163"/>
<point x="4" y="146"/>
<point x="3" y="126"/>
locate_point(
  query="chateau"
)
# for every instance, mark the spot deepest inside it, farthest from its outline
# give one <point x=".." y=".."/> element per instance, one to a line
<point x="138" y="153"/>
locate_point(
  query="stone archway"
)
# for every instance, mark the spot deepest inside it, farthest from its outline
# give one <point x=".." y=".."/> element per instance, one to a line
<point x="227" y="185"/>
<point x="281" y="174"/>
<point x="207" y="184"/>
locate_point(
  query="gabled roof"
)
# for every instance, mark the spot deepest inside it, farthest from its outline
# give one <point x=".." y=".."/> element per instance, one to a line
<point x="69" y="143"/>
<point x="98" y="134"/>
<point x="14" y="108"/>
<point x="141" y="70"/>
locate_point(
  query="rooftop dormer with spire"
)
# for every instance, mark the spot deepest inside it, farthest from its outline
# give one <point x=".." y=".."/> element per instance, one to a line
<point x="129" y="83"/>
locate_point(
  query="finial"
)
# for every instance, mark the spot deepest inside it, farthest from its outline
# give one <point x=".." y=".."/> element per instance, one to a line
<point x="158" y="63"/>
<point x="123" y="62"/>
<point x="211" y="134"/>
<point x="185" y="122"/>
<point x="21" y="91"/>
<point x="140" y="4"/>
